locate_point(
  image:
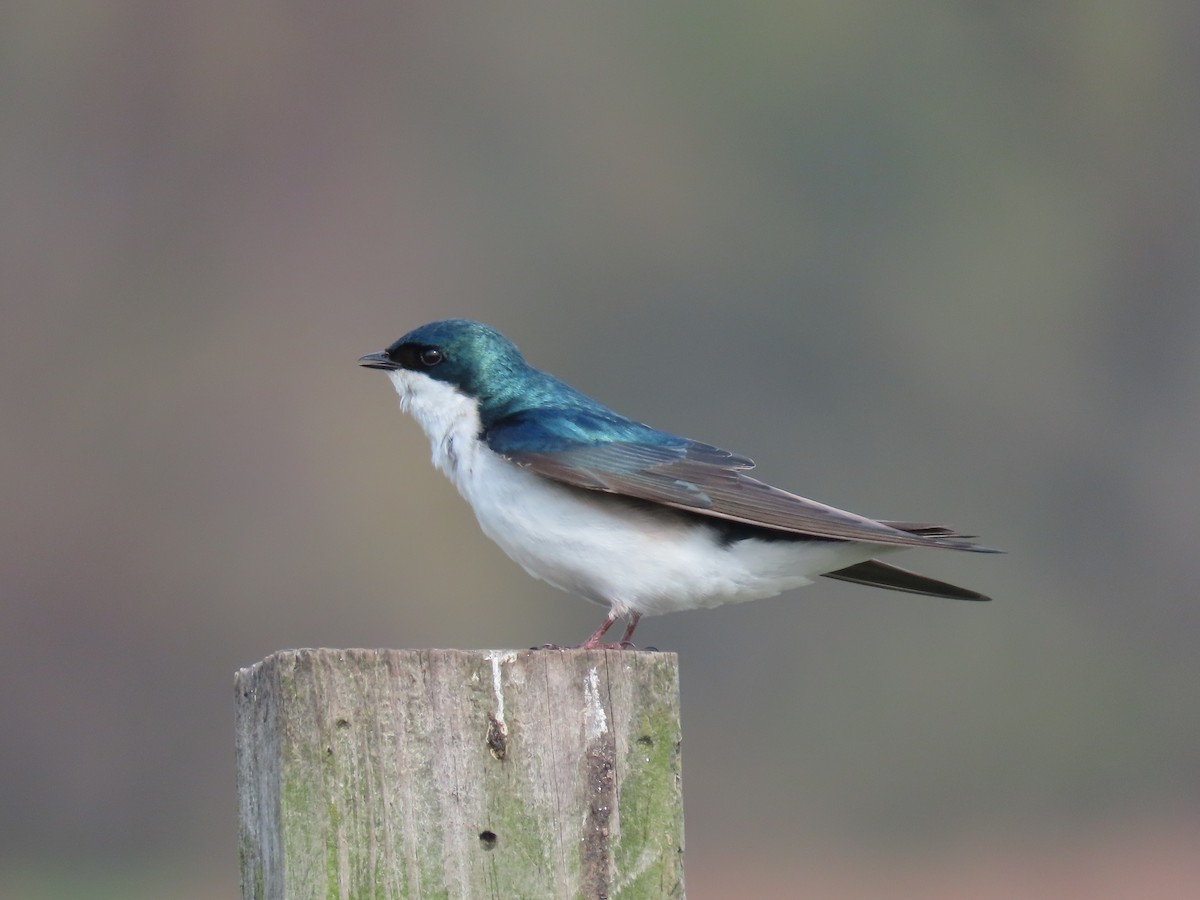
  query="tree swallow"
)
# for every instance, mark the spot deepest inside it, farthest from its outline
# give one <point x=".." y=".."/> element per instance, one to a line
<point x="633" y="518"/>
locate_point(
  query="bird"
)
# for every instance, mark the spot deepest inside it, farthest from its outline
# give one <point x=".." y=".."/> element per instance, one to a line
<point x="639" y="520"/>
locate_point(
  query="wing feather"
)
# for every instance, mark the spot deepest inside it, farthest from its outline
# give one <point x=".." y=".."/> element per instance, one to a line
<point x="688" y="475"/>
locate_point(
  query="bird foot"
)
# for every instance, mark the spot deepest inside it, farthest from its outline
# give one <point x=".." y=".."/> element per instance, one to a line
<point x="623" y="645"/>
<point x="594" y="641"/>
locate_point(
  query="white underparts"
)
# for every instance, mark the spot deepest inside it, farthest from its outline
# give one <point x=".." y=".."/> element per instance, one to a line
<point x="632" y="558"/>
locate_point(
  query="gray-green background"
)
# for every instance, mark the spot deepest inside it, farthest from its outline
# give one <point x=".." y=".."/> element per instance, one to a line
<point x="933" y="261"/>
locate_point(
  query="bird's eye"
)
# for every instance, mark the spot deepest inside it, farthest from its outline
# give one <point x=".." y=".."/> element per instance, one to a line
<point x="431" y="356"/>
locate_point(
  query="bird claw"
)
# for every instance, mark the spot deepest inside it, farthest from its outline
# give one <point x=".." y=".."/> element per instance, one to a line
<point x="623" y="645"/>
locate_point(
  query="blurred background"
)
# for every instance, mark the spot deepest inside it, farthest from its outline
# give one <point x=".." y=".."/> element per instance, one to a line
<point x="932" y="261"/>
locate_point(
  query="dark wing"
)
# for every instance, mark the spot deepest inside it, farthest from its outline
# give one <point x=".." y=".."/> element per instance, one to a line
<point x="574" y="447"/>
<point x="879" y="574"/>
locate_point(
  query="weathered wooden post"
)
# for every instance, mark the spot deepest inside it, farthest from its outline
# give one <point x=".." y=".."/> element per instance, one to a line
<point x="460" y="774"/>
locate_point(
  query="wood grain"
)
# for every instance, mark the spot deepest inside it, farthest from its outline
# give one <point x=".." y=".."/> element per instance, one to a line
<point x="460" y="774"/>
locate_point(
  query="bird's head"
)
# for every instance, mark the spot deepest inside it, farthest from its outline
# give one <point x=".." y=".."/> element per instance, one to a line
<point x="474" y="359"/>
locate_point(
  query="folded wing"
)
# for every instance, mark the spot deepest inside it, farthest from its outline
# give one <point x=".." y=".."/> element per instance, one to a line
<point x="576" y="448"/>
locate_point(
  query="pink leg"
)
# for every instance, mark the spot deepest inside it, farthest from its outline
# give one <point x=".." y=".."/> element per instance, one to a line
<point x="634" y="618"/>
<point x="593" y="643"/>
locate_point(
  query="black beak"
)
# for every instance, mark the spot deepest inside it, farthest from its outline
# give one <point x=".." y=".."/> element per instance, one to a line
<point x="378" y="360"/>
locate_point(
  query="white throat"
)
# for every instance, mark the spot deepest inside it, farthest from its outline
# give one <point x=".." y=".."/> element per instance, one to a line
<point x="448" y="417"/>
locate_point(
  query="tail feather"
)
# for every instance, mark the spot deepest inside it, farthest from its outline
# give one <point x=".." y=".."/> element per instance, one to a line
<point x="878" y="574"/>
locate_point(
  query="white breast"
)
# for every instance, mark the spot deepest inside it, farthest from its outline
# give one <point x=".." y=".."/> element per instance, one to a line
<point x="627" y="557"/>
